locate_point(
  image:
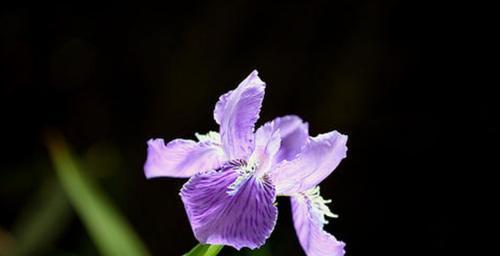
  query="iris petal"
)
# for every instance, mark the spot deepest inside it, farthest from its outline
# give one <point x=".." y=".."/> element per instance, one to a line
<point x="236" y="112"/>
<point x="309" y="228"/>
<point x="182" y="158"/>
<point x="267" y="145"/>
<point x="294" y="134"/>
<point x="317" y="160"/>
<point x="241" y="218"/>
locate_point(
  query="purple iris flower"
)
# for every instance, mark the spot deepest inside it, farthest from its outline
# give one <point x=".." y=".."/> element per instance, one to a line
<point x="236" y="174"/>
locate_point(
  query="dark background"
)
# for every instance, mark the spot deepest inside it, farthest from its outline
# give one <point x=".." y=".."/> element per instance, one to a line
<point x="111" y="77"/>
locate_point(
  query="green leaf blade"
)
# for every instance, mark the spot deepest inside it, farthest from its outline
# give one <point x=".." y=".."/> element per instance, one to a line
<point x="205" y="250"/>
<point x="107" y="227"/>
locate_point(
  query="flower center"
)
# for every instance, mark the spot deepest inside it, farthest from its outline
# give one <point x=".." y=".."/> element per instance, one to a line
<point x="245" y="171"/>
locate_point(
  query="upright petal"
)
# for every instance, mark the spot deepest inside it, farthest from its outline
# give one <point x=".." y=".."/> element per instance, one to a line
<point x="267" y="145"/>
<point x="241" y="218"/>
<point x="317" y="160"/>
<point x="236" y="112"/>
<point x="220" y="107"/>
<point x="182" y="158"/>
<point x="308" y="212"/>
<point x="294" y="134"/>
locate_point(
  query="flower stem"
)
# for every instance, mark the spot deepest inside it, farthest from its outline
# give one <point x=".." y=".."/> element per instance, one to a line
<point x="205" y="250"/>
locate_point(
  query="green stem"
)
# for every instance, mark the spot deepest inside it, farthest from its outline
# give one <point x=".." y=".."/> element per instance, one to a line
<point x="205" y="250"/>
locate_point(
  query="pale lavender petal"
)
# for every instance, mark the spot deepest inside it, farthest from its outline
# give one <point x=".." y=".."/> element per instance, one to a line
<point x="241" y="218"/>
<point x="267" y="145"/>
<point x="220" y="107"/>
<point x="294" y="134"/>
<point x="317" y="160"/>
<point x="309" y="228"/>
<point x="182" y="158"/>
<point x="236" y="112"/>
<point x="268" y="138"/>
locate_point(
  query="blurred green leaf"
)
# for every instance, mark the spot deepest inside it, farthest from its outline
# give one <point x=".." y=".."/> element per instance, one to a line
<point x="107" y="227"/>
<point x="6" y="242"/>
<point x="43" y="220"/>
<point x="205" y="250"/>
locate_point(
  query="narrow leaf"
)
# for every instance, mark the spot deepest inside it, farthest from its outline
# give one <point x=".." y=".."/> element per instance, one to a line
<point x="48" y="210"/>
<point x="205" y="250"/>
<point x="107" y="227"/>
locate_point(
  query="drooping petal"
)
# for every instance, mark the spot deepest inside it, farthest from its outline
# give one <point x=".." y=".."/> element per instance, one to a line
<point x="293" y="133"/>
<point x="236" y="112"/>
<point x="241" y="218"/>
<point x="308" y="218"/>
<point x="183" y="158"/>
<point x="317" y="160"/>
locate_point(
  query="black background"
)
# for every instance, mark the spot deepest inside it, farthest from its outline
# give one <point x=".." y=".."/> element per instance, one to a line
<point x="111" y="77"/>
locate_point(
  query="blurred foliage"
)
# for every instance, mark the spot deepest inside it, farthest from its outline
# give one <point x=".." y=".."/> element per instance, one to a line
<point x="112" y="77"/>
<point x="6" y="242"/>
<point x="107" y="227"/>
<point x="43" y="220"/>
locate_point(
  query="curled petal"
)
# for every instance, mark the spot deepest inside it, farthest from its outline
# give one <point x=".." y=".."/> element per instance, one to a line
<point x="308" y="220"/>
<point x="182" y="158"/>
<point x="294" y="134"/>
<point x="317" y="160"/>
<point x="236" y="112"/>
<point x="244" y="217"/>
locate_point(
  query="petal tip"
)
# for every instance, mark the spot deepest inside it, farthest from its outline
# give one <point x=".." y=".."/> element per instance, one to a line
<point x="152" y="141"/>
<point x="149" y="167"/>
<point x="254" y="78"/>
<point x="150" y="171"/>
